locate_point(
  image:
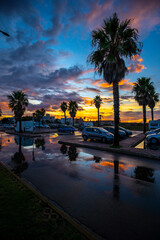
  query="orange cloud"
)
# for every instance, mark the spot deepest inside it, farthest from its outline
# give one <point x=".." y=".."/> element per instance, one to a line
<point x="136" y="65"/>
<point x="89" y="70"/>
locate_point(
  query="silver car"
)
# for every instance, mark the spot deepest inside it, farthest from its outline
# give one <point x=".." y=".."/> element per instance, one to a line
<point x="153" y="138"/>
<point x="153" y="131"/>
<point x="97" y="133"/>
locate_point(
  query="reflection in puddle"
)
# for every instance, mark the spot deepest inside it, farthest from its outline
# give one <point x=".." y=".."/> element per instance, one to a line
<point x="144" y="173"/>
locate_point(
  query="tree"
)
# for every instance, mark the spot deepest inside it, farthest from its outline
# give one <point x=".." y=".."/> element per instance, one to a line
<point x="39" y="115"/>
<point x="64" y="109"/>
<point x="153" y="99"/>
<point x="111" y="42"/>
<point x="18" y="102"/>
<point x="142" y="88"/>
<point x="0" y="112"/>
<point x="97" y="101"/>
<point x="72" y="108"/>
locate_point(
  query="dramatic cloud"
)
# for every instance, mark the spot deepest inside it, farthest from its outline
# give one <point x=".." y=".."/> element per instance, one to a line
<point x="135" y="65"/>
<point x="46" y="53"/>
<point x="123" y="85"/>
<point x="92" y="90"/>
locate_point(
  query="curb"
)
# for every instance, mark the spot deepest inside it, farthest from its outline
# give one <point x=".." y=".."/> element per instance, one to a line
<point x="78" y="226"/>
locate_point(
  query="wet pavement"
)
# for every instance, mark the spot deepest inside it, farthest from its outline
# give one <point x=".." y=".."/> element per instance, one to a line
<point x="115" y="195"/>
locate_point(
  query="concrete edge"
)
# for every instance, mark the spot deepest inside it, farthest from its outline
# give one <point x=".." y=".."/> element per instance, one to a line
<point x="135" y="144"/>
<point x="115" y="150"/>
<point x="78" y="226"/>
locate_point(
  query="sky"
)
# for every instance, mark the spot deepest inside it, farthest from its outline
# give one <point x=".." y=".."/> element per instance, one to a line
<point x="46" y="55"/>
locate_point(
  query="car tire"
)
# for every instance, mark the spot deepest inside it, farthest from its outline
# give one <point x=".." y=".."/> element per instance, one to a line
<point x="103" y="139"/>
<point x="85" y="138"/>
<point x="153" y="140"/>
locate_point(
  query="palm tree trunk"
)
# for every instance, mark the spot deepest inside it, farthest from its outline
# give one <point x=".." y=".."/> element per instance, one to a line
<point x="20" y="125"/>
<point x="144" y="118"/>
<point x="65" y="117"/>
<point x="116" y="112"/>
<point x="152" y="114"/>
<point x="98" y="116"/>
<point x="20" y="144"/>
<point x="73" y="121"/>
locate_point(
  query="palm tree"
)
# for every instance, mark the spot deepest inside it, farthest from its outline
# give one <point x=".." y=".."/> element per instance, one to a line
<point x="153" y="99"/>
<point x="97" y="101"/>
<point x="17" y="102"/>
<point x="72" y="108"/>
<point x="64" y="108"/>
<point x="113" y="41"/>
<point x="39" y="115"/>
<point x="142" y="88"/>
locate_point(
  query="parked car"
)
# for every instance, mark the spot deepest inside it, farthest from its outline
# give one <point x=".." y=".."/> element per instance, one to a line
<point x="45" y="126"/>
<point x="53" y="125"/>
<point x="153" y="131"/>
<point x="97" y="133"/>
<point x="85" y="124"/>
<point x="66" y="128"/>
<point x="153" y="138"/>
<point x="128" y="132"/>
<point x="8" y="126"/>
<point x="111" y="129"/>
<point x="36" y="124"/>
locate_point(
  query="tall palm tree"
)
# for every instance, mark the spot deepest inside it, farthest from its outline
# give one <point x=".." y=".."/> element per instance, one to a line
<point x="153" y="99"/>
<point x="97" y="101"/>
<point x="142" y="88"/>
<point x="113" y="41"/>
<point x="64" y="109"/>
<point x="18" y="102"/>
<point x="72" y="108"/>
<point x="39" y="115"/>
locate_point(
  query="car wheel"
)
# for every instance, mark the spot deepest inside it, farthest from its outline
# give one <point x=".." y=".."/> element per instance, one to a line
<point x="154" y="140"/>
<point x="85" y="138"/>
<point x="103" y="139"/>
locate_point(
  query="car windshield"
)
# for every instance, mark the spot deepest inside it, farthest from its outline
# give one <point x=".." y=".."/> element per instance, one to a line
<point x="104" y="130"/>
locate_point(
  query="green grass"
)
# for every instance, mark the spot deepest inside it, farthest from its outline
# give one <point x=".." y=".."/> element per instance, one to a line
<point x="25" y="216"/>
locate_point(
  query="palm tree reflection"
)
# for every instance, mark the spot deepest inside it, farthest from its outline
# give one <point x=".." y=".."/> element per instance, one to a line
<point x="18" y="160"/>
<point x="97" y="159"/>
<point x="63" y="149"/>
<point x="40" y="142"/>
<point x="144" y="173"/>
<point x="72" y="153"/>
<point x="116" y="180"/>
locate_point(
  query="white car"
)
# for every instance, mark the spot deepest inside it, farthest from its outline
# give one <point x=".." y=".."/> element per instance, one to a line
<point x="157" y="130"/>
<point x="153" y="138"/>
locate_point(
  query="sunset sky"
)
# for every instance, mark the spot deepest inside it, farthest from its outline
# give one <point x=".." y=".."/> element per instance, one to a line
<point x="46" y="53"/>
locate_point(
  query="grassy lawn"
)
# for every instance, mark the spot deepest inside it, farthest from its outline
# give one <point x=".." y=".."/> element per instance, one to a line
<point x="24" y="216"/>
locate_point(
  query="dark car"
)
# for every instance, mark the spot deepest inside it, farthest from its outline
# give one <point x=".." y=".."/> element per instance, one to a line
<point x="111" y="129"/>
<point x="97" y="133"/>
<point x="128" y="132"/>
<point x="65" y="128"/>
